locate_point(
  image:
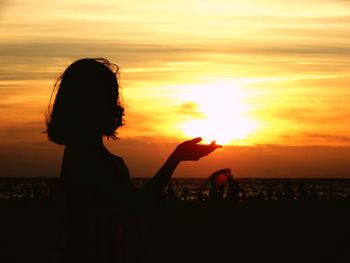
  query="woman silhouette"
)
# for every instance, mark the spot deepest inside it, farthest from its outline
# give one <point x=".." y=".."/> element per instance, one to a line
<point x="96" y="189"/>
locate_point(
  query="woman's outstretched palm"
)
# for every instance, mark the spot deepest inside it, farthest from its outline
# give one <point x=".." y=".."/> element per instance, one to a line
<point x="192" y="151"/>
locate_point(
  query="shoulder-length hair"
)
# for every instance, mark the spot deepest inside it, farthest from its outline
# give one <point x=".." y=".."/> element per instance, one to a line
<point x="87" y="102"/>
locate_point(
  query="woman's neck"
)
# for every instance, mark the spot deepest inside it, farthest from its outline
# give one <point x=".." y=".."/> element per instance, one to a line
<point x="88" y="141"/>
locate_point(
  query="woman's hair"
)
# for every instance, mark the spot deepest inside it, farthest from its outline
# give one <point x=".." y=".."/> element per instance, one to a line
<point x="87" y="102"/>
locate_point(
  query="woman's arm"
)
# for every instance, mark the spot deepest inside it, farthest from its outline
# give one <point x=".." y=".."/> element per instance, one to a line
<point x="186" y="151"/>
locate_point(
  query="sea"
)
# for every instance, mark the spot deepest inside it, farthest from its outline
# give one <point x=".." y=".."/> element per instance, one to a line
<point x="191" y="189"/>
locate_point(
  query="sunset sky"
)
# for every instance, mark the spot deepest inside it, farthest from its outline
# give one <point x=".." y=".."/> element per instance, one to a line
<point x="268" y="79"/>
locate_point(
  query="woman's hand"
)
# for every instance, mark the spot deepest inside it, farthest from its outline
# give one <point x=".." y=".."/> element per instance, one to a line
<point x="192" y="151"/>
<point x="186" y="151"/>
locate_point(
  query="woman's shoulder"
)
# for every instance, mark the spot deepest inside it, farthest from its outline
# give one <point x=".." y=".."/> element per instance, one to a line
<point x="117" y="159"/>
<point x="119" y="164"/>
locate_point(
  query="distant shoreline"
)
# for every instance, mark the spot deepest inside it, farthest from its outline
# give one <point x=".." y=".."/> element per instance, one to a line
<point x="187" y="178"/>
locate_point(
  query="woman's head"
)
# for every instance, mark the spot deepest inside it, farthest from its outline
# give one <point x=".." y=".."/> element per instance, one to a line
<point x="87" y="102"/>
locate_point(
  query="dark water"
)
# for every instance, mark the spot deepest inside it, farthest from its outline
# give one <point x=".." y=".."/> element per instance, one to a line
<point x="262" y="189"/>
<point x="268" y="188"/>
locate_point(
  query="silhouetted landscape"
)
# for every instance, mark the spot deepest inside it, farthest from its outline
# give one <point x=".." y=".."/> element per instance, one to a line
<point x="264" y="223"/>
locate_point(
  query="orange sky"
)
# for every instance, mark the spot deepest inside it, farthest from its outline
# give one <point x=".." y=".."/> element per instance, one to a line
<point x="265" y="77"/>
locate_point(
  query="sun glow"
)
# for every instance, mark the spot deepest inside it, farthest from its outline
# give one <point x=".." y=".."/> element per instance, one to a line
<point x="220" y="113"/>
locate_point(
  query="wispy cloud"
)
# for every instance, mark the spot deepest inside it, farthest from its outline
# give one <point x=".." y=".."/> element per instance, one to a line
<point x="3" y="4"/>
<point x="305" y="115"/>
<point x="190" y="108"/>
<point x="328" y="137"/>
<point x="43" y="59"/>
<point x="22" y="131"/>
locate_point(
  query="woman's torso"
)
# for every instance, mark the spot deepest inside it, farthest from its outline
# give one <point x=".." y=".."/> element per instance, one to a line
<point x="95" y="186"/>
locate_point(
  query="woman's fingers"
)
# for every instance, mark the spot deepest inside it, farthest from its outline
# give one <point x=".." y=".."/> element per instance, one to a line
<point x="213" y="143"/>
<point x="196" y="140"/>
<point x="204" y="150"/>
<point x="192" y="150"/>
<point x="199" y="139"/>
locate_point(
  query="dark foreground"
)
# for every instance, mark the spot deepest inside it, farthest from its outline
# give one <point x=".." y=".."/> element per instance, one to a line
<point x="254" y="231"/>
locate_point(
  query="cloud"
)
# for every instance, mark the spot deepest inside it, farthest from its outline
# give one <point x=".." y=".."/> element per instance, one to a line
<point x="149" y="123"/>
<point x="313" y="139"/>
<point x="311" y="115"/>
<point x="3" y="3"/>
<point x="30" y="159"/>
<point x="40" y="59"/>
<point x="36" y="59"/>
<point x="190" y="109"/>
<point x="23" y="132"/>
<point x="328" y="137"/>
<point x="4" y="106"/>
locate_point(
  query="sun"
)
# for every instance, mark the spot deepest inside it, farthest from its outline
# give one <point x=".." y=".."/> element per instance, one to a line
<point x="221" y="114"/>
